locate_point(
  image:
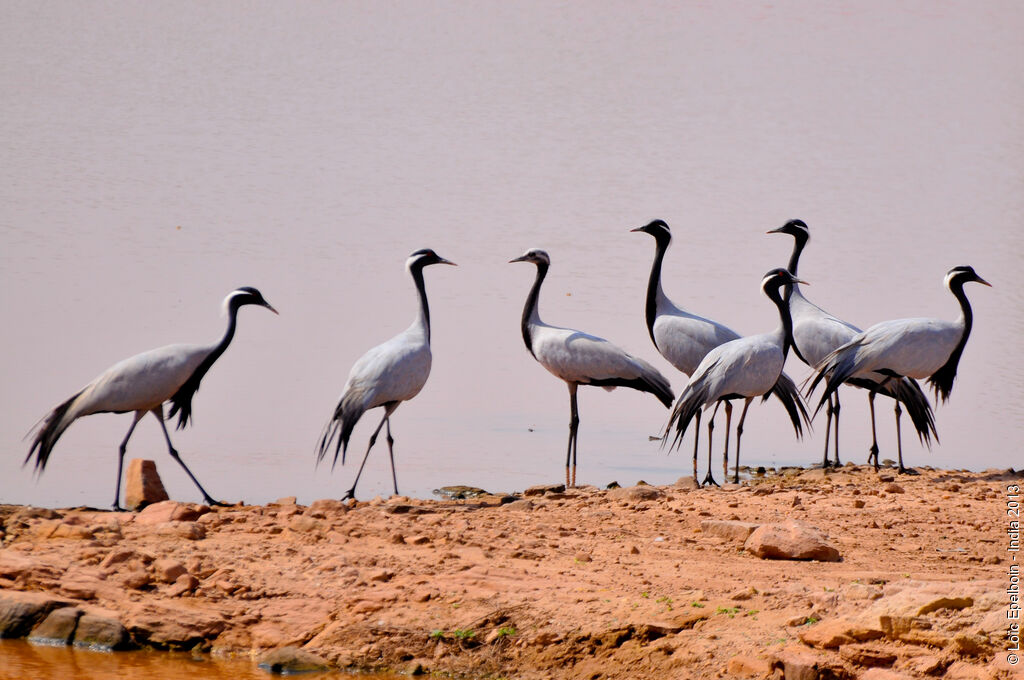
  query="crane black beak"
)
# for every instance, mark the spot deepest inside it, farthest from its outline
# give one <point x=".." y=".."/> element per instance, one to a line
<point x="637" y="229"/>
<point x="521" y="258"/>
<point x="441" y="260"/>
<point x="982" y="281"/>
<point x="775" y="231"/>
<point x="271" y="308"/>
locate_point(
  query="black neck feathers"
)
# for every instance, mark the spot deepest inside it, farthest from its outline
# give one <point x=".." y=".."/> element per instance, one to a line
<point x="661" y="242"/>
<point x="421" y="287"/>
<point x="530" y="308"/>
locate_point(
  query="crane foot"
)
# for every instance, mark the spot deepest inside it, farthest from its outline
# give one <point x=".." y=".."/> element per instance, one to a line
<point x="907" y="471"/>
<point x="709" y="480"/>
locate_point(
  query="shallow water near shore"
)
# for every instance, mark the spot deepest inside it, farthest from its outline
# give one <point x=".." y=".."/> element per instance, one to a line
<point x="173" y="152"/>
<point x="20" y="660"/>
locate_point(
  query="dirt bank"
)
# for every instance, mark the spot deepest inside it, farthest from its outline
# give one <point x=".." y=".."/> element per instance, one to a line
<point x="640" y="582"/>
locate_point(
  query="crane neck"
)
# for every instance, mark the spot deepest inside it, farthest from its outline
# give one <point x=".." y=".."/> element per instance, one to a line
<point x="655" y="293"/>
<point x="531" y="313"/>
<point x="966" y="318"/>
<point x="423" y="317"/>
<point x="785" y="330"/>
<point x="229" y="334"/>
<point x="799" y="241"/>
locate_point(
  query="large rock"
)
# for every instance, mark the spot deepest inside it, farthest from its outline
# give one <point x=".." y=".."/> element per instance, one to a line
<point x="170" y="511"/>
<point x="173" y="626"/>
<point x="20" y="612"/>
<point x="142" y="485"/>
<point x="57" y="628"/>
<point x="790" y="540"/>
<point x="288" y="660"/>
<point x="100" y="632"/>
<point x="640" y="492"/>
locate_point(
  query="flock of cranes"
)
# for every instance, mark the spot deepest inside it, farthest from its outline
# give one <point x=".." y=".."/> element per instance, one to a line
<point x="722" y="366"/>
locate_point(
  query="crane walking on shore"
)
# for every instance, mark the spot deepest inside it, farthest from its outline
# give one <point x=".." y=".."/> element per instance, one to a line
<point x="744" y="368"/>
<point x="816" y="333"/>
<point x="142" y="384"/>
<point x="388" y="374"/>
<point x="684" y="339"/>
<point x="579" y="358"/>
<point x="912" y="348"/>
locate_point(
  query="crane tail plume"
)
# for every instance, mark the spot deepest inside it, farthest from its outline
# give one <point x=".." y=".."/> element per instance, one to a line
<point x="690" y="401"/>
<point x="787" y="392"/>
<point x="909" y="393"/>
<point x="49" y="430"/>
<point x="338" y="430"/>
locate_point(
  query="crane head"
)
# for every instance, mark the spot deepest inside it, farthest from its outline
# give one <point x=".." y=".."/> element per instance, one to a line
<point x="425" y="256"/>
<point x="655" y="228"/>
<point x="534" y="255"/>
<point x="962" y="275"/>
<point x="245" y="295"/>
<point x="795" y="228"/>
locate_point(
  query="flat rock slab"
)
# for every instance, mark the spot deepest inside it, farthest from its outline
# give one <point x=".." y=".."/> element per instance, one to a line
<point x="729" y="529"/>
<point x="288" y="660"/>
<point x="790" y="540"/>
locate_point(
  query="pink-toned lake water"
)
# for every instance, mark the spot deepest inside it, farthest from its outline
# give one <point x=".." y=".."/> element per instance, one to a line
<point x="157" y="155"/>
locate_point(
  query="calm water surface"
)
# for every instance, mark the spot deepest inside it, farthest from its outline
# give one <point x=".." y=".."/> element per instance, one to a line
<point x="20" y="660"/>
<point x="158" y="155"/>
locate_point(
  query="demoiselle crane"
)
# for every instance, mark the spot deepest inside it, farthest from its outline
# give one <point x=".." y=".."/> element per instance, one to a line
<point x="912" y="348"/>
<point x="390" y="373"/>
<point x="744" y="368"/>
<point x="579" y="358"/>
<point x="684" y="339"/>
<point x="142" y="384"/>
<point x="816" y="333"/>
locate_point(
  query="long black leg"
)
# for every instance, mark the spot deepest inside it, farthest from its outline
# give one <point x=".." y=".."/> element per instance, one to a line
<point x="725" y="451"/>
<point x="696" y="440"/>
<point x="739" y="433"/>
<point x="899" y="443"/>
<point x="351" y="493"/>
<point x="709" y="478"/>
<point x="873" y="451"/>
<point x="836" y="416"/>
<point x="391" y="453"/>
<point x="828" y="428"/>
<point x="120" y="458"/>
<point x="574" y="423"/>
<point x="158" y="412"/>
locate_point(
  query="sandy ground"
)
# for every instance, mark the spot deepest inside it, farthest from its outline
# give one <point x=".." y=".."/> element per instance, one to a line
<point x="584" y="583"/>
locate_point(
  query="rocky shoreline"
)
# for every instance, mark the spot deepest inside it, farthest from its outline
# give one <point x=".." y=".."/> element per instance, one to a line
<point x="807" y="574"/>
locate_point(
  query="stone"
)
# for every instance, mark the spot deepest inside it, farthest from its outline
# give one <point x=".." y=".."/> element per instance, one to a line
<point x="687" y="483"/>
<point x="173" y="624"/>
<point x="790" y="540"/>
<point x="640" y="492"/>
<point x="168" y="570"/>
<point x="288" y="660"/>
<point x="20" y="612"/>
<point x="828" y="634"/>
<point x="100" y="632"/>
<point x="892" y="487"/>
<point x="867" y="656"/>
<point x="728" y="529"/>
<point x="326" y="507"/>
<point x="541" y="489"/>
<point x="169" y="511"/>
<point x="745" y="666"/>
<point x="72" y="531"/>
<point x="142" y="485"/>
<point x="797" y="663"/>
<point x="79" y="584"/>
<point x="190" y="531"/>
<point x="58" y="628"/>
<point x="185" y="583"/>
